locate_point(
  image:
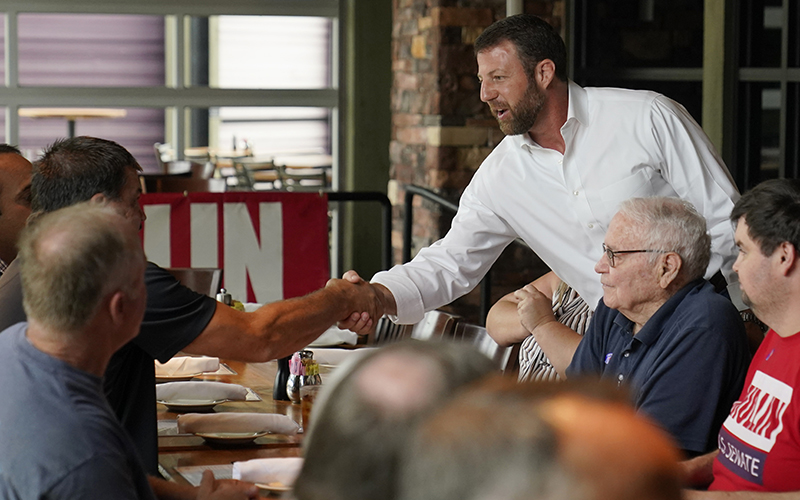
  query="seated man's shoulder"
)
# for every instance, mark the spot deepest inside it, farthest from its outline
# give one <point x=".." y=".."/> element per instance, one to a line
<point x="704" y="311"/>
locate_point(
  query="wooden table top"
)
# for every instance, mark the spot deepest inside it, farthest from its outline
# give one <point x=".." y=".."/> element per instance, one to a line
<point x="189" y="450"/>
<point x="72" y="113"/>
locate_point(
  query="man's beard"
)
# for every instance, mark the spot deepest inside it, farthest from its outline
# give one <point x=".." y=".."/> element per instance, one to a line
<point x="524" y="114"/>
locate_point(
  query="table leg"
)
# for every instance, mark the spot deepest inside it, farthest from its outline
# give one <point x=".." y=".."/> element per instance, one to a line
<point x="71" y="128"/>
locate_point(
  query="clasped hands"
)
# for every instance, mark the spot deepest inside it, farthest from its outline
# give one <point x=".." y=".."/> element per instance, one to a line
<point x="366" y="302"/>
<point x="533" y="307"/>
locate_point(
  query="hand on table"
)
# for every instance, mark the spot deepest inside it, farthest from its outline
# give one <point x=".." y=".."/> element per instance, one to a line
<point x="534" y="308"/>
<point x="213" y="489"/>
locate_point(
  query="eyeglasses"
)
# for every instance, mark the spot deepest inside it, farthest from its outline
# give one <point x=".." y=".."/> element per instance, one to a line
<point x="611" y="254"/>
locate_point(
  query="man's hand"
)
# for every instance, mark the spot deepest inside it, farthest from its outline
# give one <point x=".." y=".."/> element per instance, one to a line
<point x="211" y="489"/>
<point x="534" y="308"/>
<point x="370" y="302"/>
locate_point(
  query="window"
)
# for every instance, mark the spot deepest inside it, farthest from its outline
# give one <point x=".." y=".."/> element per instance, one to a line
<point x="186" y="73"/>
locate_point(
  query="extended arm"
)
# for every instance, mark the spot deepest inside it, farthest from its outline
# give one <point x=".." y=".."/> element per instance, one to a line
<point x="281" y="328"/>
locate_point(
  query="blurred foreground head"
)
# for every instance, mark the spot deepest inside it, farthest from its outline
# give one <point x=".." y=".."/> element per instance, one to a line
<point x="365" y="416"/>
<point x="503" y="440"/>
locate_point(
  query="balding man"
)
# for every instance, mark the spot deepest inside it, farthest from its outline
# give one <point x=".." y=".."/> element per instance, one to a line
<point x="366" y="414"/>
<point x="82" y="274"/>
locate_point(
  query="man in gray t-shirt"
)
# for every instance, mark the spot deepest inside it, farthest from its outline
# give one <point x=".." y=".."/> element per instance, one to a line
<point x="82" y="273"/>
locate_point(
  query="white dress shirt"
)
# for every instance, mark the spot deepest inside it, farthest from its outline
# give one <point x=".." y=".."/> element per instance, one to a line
<point x="620" y="144"/>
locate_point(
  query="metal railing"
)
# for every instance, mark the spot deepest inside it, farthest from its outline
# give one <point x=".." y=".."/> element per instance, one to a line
<point x="408" y="218"/>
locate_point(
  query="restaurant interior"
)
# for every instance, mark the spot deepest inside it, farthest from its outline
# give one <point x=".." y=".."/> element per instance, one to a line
<point x="369" y="113"/>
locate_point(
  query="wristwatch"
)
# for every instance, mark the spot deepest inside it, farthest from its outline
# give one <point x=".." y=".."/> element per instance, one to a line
<point x="749" y="317"/>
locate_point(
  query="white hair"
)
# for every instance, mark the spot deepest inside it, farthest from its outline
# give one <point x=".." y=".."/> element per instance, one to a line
<point x="671" y="225"/>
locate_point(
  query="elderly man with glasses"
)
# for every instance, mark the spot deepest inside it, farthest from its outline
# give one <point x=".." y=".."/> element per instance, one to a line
<point x="660" y="329"/>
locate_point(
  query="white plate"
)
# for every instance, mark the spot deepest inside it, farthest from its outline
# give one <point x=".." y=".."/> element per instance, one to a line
<point x="160" y="379"/>
<point x="190" y="405"/>
<point x="276" y="487"/>
<point x="230" y="437"/>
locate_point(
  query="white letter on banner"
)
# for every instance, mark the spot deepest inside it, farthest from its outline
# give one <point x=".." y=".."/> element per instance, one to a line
<point x="157" y="234"/>
<point x="204" y="235"/>
<point x="244" y="256"/>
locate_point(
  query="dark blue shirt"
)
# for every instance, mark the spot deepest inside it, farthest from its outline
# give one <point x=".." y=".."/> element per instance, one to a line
<point x="684" y="368"/>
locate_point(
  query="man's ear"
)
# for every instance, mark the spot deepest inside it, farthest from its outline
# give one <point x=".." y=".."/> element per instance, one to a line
<point x="545" y="73"/>
<point x="99" y="198"/>
<point x="669" y="267"/>
<point x="117" y="305"/>
<point x="786" y="258"/>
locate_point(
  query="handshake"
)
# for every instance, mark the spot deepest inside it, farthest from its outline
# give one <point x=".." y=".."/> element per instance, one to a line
<point x="361" y="303"/>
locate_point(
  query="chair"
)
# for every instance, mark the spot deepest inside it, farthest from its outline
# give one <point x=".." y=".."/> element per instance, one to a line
<point x="504" y="357"/>
<point x="251" y="173"/>
<point x="434" y="325"/>
<point x="386" y="332"/>
<point x="203" y="280"/>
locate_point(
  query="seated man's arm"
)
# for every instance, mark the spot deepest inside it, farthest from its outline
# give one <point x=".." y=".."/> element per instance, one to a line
<point x="278" y="329"/>
<point x="558" y="341"/>
<point x="698" y="471"/>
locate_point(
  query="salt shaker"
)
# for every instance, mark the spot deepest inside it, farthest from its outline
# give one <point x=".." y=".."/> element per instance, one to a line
<point x="303" y="370"/>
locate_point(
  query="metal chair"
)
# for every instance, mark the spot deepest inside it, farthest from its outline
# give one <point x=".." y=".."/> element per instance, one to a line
<point x="434" y="325"/>
<point x="386" y="332"/>
<point x="203" y="280"/>
<point x="504" y="357"/>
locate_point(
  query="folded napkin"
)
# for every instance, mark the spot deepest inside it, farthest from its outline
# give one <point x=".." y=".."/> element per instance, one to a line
<point x="236" y="422"/>
<point x="200" y="391"/>
<point x="186" y="365"/>
<point x="268" y="470"/>
<point x="335" y="336"/>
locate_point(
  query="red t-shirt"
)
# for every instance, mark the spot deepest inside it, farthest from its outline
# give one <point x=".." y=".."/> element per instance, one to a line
<point x="759" y="442"/>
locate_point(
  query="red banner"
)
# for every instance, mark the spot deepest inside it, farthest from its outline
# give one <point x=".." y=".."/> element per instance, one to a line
<point x="271" y="245"/>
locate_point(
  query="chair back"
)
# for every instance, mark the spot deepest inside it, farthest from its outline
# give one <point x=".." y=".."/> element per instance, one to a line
<point x="386" y="331"/>
<point x="434" y="325"/>
<point x="203" y="280"/>
<point x="479" y="337"/>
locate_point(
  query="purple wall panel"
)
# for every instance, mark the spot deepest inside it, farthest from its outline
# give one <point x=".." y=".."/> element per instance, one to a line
<point x="94" y="50"/>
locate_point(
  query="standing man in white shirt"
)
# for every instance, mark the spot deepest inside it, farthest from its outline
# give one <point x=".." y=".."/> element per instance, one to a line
<point x="571" y="155"/>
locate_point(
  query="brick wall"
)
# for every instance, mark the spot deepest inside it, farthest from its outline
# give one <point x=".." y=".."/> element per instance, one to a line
<point x="441" y="131"/>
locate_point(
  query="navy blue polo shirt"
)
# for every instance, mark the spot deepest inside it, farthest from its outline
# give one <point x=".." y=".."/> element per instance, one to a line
<point x="684" y="368"/>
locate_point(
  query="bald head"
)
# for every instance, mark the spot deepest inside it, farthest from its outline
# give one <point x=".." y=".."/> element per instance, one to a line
<point x="71" y="258"/>
<point x="364" y="417"/>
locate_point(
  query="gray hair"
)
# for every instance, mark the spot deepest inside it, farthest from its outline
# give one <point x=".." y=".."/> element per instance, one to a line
<point x="672" y="225"/>
<point x="70" y="259"/>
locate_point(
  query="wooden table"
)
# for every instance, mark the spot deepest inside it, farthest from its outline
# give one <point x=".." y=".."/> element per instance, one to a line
<point x="72" y="114"/>
<point x="190" y="450"/>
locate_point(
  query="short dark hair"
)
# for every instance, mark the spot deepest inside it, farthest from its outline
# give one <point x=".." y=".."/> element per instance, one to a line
<point x="73" y="170"/>
<point x="772" y="213"/>
<point x="534" y="39"/>
<point x="8" y="148"/>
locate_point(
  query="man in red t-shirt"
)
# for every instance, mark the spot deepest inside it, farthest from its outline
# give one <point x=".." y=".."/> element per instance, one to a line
<point x="759" y="443"/>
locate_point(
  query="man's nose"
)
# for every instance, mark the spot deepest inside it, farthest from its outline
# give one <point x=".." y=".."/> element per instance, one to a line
<point x="602" y="265"/>
<point x="487" y="92"/>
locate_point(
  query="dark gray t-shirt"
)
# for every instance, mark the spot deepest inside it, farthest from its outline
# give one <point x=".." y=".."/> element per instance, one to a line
<point x="58" y="436"/>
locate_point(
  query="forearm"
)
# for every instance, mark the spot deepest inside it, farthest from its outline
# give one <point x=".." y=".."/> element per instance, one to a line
<point x="698" y="472"/>
<point x="503" y="323"/>
<point x="166" y="490"/>
<point x="559" y="343"/>
<point x="278" y="329"/>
